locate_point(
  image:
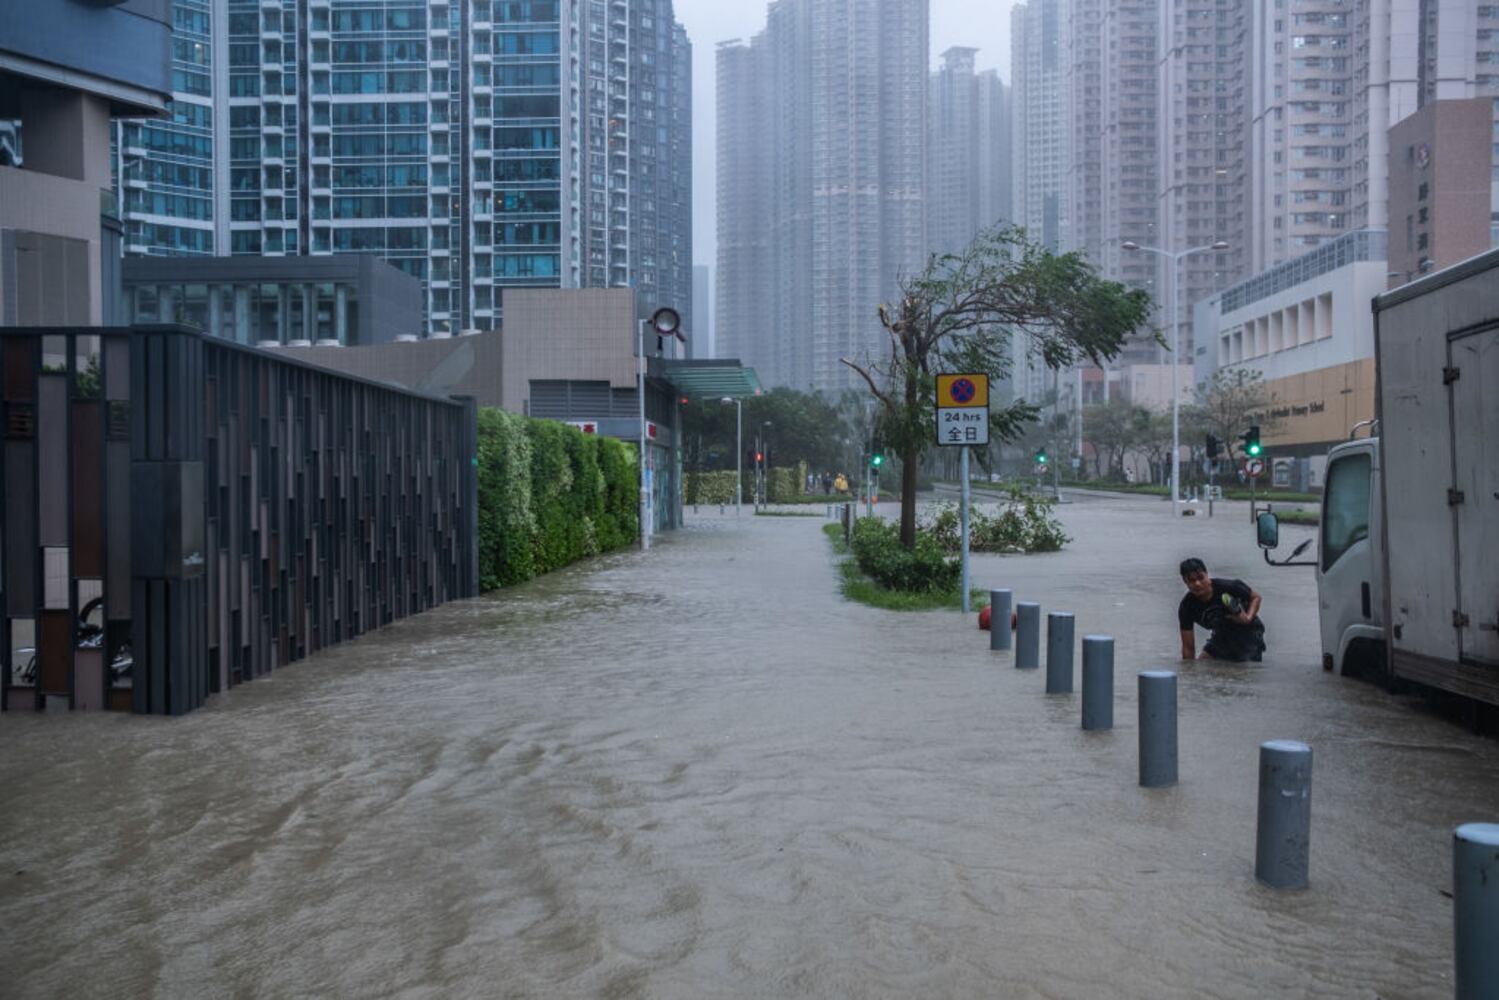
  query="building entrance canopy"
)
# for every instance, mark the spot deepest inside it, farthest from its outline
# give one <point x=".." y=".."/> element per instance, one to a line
<point x="708" y="379"/>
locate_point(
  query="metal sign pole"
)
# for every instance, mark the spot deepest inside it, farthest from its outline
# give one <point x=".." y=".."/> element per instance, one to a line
<point x="963" y="517"/>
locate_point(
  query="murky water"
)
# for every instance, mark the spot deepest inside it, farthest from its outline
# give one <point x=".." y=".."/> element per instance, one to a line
<point x="700" y="773"/>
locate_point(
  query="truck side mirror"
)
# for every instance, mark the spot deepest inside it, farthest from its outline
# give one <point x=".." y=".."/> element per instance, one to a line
<point x="1267" y="528"/>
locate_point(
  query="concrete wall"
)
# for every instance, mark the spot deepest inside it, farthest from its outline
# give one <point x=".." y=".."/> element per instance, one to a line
<point x="58" y="195"/>
<point x="1445" y="147"/>
<point x="1314" y="345"/>
<point x="120" y="50"/>
<point x="584" y="334"/>
<point x="466" y="366"/>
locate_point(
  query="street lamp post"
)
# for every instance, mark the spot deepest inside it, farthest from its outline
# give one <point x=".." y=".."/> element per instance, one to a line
<point x="1176" y="399"/>
<point x="762" y="489"/>
<point x="738" y="450"/>
<point x="665" y="321"/>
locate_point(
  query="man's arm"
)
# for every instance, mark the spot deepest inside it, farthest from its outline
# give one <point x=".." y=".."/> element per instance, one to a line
<point x="1251" y="608"/>
<point x="1189" y="644"/>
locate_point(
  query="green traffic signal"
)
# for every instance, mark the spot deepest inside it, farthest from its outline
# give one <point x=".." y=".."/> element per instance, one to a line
<point x="1252" y="446"/>
<point x="1041" y="458"/>
<point x="876" y="460"/>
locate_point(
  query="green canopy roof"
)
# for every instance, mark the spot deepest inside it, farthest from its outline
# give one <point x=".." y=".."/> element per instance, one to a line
<point x="708" y="379"/>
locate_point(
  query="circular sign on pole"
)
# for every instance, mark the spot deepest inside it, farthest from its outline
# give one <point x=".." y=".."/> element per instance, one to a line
<point x="962" y="390"/>
<point x="1254" y="467"/>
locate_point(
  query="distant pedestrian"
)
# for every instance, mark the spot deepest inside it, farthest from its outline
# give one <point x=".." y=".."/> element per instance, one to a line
<point x="1228" y="609"/>
<point x="827" y="484"/>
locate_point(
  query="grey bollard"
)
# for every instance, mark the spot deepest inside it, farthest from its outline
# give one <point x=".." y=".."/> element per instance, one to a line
<point x="1027" y="635"/>
<point x="1475" y="910"/>
<point x="1157" y="728"/>
<point x="1098" y="682"/>
<point x="1282" y="840"/>
<point x="999" y="619"/>
<point x="1059" y="632"/>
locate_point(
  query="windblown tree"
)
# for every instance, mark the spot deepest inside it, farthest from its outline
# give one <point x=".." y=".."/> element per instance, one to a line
<point x="960" y="314"/>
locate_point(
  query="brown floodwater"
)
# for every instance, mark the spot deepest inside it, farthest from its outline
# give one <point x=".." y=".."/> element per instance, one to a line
<point x="699" y="772"/>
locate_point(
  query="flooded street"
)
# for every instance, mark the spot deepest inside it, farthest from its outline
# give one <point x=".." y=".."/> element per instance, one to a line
<point x="699" y="772"/>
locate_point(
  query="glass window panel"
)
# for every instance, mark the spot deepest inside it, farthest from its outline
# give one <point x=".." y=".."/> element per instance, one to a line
<point x="23" y="652"/>
<point x="54" y="354"/>
<point x="89" y="382"/>
<point x="1345" y="514"/>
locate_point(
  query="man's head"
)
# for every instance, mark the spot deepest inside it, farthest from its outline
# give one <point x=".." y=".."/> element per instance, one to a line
<point x="1195" y="576"/>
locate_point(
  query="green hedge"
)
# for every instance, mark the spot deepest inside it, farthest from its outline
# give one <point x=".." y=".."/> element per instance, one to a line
<point x="549" y="495"/>
<point x="782" y="486"/>
<point x="880" y="555"/>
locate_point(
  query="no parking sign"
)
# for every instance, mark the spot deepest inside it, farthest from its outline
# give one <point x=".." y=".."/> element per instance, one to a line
<point x="962" y="409"/>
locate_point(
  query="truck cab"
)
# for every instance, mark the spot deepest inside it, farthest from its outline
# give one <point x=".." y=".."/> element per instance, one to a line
<point x="1350" y="561"/>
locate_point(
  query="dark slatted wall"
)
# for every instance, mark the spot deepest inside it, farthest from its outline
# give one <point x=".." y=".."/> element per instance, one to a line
<point x="183" y="514"/>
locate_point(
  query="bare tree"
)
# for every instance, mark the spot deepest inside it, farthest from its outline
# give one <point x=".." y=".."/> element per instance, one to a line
<point x="1114" y="428"/>
<point x="1233" y="399"/>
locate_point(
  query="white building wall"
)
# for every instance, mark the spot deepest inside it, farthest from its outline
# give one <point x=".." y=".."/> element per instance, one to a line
<point x="1319" y="323"/>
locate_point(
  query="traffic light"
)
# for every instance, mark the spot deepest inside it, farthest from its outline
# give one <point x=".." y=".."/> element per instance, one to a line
<point x="876" y="460"/>
<point x="1213" y="445"/>
<point x="1252" y="441"/>
<point x="1041" y="456"/>
<point x="759" y="457"/>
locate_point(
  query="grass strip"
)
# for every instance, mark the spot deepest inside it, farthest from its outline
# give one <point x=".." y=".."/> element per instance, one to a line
<point x="858" y="587"/>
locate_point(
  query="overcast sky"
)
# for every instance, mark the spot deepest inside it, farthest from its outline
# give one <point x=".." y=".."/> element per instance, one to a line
<point x="982" y="24"/>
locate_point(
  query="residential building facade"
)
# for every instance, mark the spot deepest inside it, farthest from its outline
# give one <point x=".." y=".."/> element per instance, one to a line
<point x="822" y="198"/>
<point x="475" y="144"/>
<point x="969" y="147"/>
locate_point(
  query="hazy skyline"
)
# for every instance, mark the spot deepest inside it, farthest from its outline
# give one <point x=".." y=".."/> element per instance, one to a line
<point x="980" y="24"/>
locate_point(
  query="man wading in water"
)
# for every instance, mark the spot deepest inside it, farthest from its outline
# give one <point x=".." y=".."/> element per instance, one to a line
<point x="1229" y="609"/>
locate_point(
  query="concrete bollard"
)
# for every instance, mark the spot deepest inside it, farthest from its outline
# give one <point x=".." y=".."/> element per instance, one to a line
<point x="1282" y="841"/>
<point x="999" y="619"/>
<point x="1059" y="632"/>
<point x="1027" y="635"/>
<point x="1098" y="682"/>
<point x="1475" y="910"/>
<point x="1157" y="728"/>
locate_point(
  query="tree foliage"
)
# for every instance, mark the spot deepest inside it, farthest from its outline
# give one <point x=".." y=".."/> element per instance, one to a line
<point x="961" y="314"/>
<point x="803" y="427"/>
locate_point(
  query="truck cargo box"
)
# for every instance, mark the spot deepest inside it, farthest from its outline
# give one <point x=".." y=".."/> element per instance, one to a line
<point x="1437" y="346"/>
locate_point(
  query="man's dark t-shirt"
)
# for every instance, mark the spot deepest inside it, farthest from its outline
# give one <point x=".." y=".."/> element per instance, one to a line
<point x="1230" y="640"/>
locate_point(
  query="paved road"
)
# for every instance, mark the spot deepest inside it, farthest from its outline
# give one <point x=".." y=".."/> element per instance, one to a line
<point x="698" y="772"/>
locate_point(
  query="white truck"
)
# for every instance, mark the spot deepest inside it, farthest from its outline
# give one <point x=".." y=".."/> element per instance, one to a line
<point x="1408" y="556"/>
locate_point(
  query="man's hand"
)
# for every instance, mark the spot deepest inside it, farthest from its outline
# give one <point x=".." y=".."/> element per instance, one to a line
<point x="1189" y="645"/>
<point x="1243" y="617"/>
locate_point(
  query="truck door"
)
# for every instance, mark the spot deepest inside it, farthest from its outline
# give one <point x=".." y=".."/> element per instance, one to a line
<point x="1345" y="564"/>
<point x="1474" y="361"/>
